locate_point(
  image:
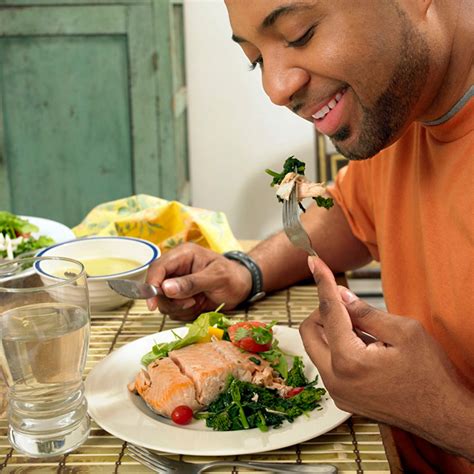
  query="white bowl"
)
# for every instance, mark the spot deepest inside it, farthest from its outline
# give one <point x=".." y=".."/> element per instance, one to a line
<point x="101" y="297"/>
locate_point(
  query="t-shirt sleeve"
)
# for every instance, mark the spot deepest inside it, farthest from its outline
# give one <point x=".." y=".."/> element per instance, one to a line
<point x="352" y="190"/>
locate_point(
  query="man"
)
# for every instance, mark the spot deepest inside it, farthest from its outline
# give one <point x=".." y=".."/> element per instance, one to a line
<point x="391" y="81"/>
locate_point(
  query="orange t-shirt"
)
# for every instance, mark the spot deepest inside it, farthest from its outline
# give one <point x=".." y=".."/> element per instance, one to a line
<point x="412" y="206"/>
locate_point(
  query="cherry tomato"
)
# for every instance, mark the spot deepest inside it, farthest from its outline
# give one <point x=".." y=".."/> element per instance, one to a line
<point x="294" y="391"/>
<point x="252" y="336"/>
<point x="182" y="415"/>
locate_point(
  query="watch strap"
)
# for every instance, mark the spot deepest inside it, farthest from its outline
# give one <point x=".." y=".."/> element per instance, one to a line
<point x="256" y="293"/>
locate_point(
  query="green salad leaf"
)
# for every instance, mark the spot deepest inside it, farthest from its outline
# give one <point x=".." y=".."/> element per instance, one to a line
<point x="260" y="334"/>
<point x="196" y="330"/>
<point x="14" y="226"/>
<point x="276" y="358"/>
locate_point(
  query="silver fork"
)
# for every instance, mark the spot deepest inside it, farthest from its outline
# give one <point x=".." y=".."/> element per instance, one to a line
<point x="299" y="238"/>
<point x="163" y="464"/>
<point x="292" y="224"/>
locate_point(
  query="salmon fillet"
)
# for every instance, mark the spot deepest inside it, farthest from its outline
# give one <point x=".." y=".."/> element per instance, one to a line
<point x="195" y="375"/>
<point x="244" y="367"/>
<point x="205" y="367"/>
<point x="247" y="370"/>
<point x="163" y="387"/>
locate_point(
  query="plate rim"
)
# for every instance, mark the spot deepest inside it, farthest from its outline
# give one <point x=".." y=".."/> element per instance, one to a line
<point x="50" y="221"/>
<point x="64" y="228"/>
<point x="236" y="448"/>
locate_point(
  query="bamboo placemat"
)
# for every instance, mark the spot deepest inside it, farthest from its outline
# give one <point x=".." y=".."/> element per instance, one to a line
<point x="356" y="446"/>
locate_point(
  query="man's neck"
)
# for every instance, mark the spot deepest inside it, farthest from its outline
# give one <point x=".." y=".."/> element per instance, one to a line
<point x="459" y="74"/>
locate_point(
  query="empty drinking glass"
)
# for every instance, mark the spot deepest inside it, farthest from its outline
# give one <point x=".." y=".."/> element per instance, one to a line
<point x="44" y="333"/>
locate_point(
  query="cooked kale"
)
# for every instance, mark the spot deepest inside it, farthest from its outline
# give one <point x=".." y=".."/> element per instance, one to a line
<point x="296" y="376"/>
<point x="244" y="405"/>
<point x="255" y="360"/>
<point x="291" y="165"/>
<point x="321" y="201"/>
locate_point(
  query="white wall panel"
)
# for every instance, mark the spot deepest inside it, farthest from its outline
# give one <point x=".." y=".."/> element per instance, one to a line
<point x="235" y="132"/>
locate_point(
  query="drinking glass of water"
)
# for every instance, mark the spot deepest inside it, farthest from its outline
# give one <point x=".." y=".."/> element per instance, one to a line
<point x="44" y="334"/>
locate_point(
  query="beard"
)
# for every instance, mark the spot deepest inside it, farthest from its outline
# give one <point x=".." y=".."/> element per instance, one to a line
<point x="382" y="122"/>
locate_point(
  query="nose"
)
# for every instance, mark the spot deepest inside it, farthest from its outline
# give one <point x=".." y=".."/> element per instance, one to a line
<point x="282" y="82"/>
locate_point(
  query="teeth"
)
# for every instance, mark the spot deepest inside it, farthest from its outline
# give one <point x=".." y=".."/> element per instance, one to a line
<point x="327" y="108"/>
<point x="322" y="113"/>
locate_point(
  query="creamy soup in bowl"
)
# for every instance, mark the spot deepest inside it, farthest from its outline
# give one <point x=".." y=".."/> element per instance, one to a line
<point x="108" y="265"/>
<point x="104" y="258"/>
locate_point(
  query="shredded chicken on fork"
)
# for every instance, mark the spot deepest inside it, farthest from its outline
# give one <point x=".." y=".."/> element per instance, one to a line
<point x="304" y="187"/>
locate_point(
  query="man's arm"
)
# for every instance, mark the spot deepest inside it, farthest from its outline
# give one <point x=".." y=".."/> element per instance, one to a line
<point x="192" y="279"/>
<point x="282" y="264"/>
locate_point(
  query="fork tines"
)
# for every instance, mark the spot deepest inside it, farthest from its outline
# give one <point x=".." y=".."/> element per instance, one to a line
<point x="292" y="225"/>
<point x="152" y="460"/>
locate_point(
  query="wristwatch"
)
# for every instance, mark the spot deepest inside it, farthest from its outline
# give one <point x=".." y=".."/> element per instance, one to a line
<point x="256" y="293"/>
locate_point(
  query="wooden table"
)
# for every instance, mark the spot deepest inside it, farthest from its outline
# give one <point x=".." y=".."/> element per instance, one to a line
<point x="355" y="446"/>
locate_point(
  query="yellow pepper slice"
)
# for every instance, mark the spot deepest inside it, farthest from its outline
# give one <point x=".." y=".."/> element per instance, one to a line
<point x="212" y="331"/>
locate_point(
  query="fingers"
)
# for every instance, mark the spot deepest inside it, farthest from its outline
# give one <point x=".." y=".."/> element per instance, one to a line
<point x="175" y="310"/>
<point x="172" y="307"/>
<point x="172" y="275"/>
<point x="384" y="326"/>
<point x="185" y="287"/>
<point x="315" y="343"/>
<point x="181" y="289"/>
<point x="177" y="262"/>
<point x="332" y="312"/>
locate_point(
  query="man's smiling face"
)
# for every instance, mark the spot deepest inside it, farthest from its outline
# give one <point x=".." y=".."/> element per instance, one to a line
<point x="355" y="70"/>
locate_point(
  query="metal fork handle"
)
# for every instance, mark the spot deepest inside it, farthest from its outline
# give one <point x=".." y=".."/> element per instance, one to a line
<point x="282" y="467"/>
<point x="365" y="336"/>
<point x="155" y="463"/>
<point x="271" y="467"/>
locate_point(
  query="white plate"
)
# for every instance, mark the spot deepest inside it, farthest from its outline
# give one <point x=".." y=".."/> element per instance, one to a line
<point x="127" y="417"/>
<point x="57" y="231"/>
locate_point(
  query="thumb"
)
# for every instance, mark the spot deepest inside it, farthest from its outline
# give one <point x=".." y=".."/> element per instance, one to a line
<point x="189" y="285"/>
<point x="384" y="326"/>
<point x="332" y="313"/>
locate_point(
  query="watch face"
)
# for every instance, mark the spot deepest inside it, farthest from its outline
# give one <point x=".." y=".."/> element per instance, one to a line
<point x="256" y="297"/>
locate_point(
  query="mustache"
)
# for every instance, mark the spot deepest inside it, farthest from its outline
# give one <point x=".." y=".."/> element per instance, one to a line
<point x="296" y="107"/>
<point x="301" y="98"/>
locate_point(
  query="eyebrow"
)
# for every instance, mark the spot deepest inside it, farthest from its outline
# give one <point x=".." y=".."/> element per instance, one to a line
<point x="272" y="17"/>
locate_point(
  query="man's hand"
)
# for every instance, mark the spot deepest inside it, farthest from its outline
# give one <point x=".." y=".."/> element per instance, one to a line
<point x="192" y="279"/>
<point x="405" y="379"/>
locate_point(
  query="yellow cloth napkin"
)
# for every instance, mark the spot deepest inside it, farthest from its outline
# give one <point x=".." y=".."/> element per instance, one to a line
<point x="165" y="223"/>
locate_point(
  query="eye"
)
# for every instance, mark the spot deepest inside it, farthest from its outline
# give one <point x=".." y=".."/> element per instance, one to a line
<point x="257" y="62"/>
<point x="302" y="40"/>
